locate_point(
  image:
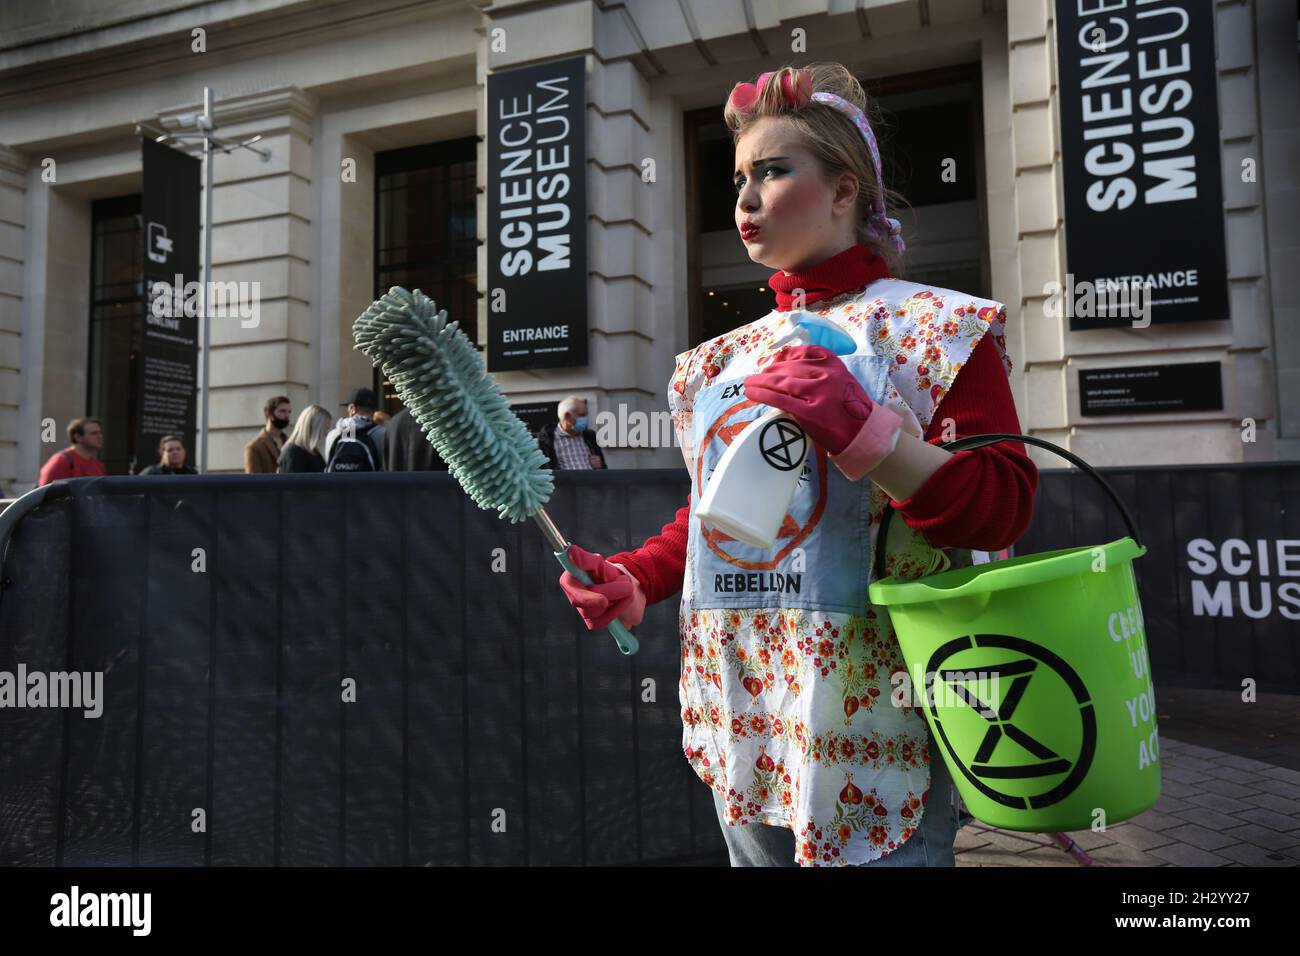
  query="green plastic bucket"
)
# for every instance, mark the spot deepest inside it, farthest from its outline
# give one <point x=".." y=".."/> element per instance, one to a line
<point x="1034" y="676"/>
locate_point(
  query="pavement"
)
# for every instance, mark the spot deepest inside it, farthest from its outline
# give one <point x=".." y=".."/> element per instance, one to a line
<point x="1230" y="794"/>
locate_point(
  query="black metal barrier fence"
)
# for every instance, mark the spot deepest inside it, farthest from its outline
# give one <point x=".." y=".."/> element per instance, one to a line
<point x="1220" y="582"/>
<point x="371" y="670"/>
<point x="488" y="725"/>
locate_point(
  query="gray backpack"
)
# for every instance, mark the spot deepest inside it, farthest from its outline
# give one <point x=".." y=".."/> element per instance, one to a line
<point x="353" y="450"/>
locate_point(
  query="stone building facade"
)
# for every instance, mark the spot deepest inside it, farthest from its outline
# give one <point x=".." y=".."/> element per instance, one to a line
<point x="333" y="85"/>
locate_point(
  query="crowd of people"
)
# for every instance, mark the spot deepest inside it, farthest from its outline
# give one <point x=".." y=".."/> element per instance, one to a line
<point x="365" y="439"/>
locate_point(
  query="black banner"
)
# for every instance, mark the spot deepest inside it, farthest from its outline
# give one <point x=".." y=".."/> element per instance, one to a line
<point x="1140" y="160"/>
<point x="1146" y="389"/>
<point x="537" y="216"/>
<point x="168" y="372"/>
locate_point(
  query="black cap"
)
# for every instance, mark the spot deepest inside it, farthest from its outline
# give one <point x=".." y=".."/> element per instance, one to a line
<point x="363" y="397"/>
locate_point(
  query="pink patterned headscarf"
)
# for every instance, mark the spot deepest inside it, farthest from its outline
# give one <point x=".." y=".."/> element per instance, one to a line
<point x="796" y="89"/>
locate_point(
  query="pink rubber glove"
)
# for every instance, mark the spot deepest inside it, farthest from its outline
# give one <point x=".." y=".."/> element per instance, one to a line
<point x="821" y="394"/>
<point x="613" y="593"/>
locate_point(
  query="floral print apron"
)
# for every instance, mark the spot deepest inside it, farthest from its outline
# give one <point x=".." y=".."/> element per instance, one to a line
<point x="786" y="691"/>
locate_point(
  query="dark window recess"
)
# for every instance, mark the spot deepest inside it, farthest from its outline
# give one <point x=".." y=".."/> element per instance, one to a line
<point x="716" y="159"/>
<point x="916" y="142"/>
<point x="426" y="232"/>
<point x="733" y="306"/>
<point x="116" y="327"/>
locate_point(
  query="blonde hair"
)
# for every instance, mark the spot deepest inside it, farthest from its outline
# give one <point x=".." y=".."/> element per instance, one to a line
<point x="833" y="138"/>
<point x="311" y="429"/>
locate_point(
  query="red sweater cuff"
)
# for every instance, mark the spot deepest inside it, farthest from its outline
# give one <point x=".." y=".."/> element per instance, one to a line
<point x="981" y="499"/>
<point x="660" y="564"/>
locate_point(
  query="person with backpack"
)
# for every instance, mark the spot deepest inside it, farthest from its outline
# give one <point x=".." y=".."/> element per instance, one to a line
<point x="356" y="443"/>
<point x="81" y="458"/>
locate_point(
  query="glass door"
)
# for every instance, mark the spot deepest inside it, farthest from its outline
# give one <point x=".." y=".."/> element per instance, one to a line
<point x="426" y="233"/>
<point x="116" y="330"/>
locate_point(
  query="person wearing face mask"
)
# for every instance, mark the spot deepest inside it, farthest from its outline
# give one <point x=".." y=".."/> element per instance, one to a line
<point x="262" y="453"/>
<point x="571" y="444"/>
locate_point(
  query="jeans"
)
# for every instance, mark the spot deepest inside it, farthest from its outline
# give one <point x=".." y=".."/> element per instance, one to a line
<point x="757" y="844"/>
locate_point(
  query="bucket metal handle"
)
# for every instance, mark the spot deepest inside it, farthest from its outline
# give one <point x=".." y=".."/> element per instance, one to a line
<point x="972" y="442"/>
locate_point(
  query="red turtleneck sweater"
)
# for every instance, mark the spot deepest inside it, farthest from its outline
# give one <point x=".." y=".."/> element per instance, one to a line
<point x="981" y="499"/>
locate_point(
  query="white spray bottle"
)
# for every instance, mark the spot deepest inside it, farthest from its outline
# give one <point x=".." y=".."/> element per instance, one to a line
<point x="750" y="490"/>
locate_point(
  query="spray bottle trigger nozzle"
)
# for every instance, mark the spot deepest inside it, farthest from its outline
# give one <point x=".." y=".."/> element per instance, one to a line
<point x="823" y="332"/>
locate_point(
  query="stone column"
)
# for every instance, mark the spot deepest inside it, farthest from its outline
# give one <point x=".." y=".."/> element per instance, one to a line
<point x="1038" y="221"/>
<point x="13" y="196"/>
<point x="1279" y="191"/>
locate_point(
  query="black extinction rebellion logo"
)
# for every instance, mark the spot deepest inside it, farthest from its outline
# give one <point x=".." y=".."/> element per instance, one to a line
<point x="776" y="441"/>
<point x="1010" y="749"/>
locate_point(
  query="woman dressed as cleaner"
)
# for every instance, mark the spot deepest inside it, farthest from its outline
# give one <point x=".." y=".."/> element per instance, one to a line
<point x="814" y="755"/>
